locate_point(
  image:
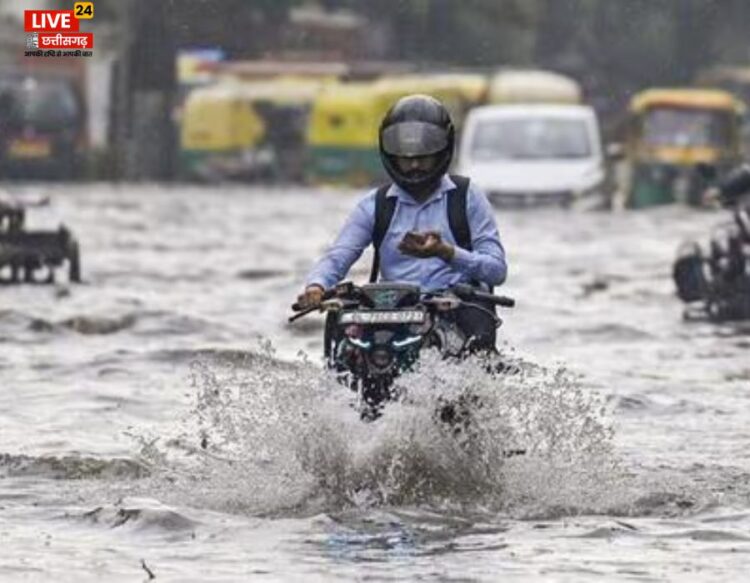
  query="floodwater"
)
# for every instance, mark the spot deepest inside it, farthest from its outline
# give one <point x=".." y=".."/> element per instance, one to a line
<point x="160" y="420"/>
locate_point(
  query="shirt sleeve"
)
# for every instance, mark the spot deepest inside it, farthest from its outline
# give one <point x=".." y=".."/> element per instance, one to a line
<point x="353" y="239"/>
<point x="486" y="262"/>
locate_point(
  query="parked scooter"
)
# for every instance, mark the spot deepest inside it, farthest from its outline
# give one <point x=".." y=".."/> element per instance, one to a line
<point x="716" y="283"/>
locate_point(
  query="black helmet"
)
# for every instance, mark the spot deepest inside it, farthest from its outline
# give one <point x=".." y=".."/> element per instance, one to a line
<point x="417" y="126"/>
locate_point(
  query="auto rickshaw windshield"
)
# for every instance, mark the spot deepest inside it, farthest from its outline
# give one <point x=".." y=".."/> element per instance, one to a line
<point x="681" y="127"/>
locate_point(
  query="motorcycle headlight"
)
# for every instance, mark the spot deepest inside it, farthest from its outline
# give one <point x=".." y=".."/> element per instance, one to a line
<point x="381" y="357"/>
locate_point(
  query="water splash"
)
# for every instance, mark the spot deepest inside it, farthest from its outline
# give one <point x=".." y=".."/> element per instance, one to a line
<point x="271" y="437"/>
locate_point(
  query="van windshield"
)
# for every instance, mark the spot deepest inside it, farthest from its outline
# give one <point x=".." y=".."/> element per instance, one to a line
<point x="531" y="139"/>
<point x="687" y="127"/>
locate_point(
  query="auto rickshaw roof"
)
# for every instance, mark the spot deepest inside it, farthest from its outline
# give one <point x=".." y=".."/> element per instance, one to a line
<point x="685" y="98"/>
<point x="283" y="90"/>
<point x="352" y="93"/>
<point x="472" y="87"/>
<point x="533" y="86"/>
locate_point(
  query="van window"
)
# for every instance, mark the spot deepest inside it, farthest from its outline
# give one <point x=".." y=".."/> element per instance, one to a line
<point x="531" y="139"/>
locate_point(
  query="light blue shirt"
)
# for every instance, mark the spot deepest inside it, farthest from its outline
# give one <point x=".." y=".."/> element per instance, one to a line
<point x="485" y="263"/>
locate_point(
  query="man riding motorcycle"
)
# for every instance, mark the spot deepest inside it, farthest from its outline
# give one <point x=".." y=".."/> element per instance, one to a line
<point x="428" y="228"/>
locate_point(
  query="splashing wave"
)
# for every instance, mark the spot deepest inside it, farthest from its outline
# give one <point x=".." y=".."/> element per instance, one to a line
<point x="274" y="438"/>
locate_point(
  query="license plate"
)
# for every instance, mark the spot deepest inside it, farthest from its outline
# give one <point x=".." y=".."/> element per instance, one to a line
<point x="29" y="149"/>
<point x="383" y="317"/>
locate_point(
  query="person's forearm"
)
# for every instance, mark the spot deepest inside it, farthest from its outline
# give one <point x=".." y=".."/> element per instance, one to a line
<point x="354" y="237"/>
<point x="327" y="272"/>
<point x="489" y="268"/>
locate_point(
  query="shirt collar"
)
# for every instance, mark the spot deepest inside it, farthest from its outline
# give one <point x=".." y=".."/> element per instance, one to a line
<point x="446" y="184"/>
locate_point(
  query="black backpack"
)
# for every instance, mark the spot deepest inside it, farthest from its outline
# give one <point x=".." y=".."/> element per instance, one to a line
<point x="457" y="218"/>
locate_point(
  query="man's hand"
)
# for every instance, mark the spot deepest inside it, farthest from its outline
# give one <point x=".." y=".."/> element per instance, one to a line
<point x="311" y="297"/>
<point x="427" y="244"/>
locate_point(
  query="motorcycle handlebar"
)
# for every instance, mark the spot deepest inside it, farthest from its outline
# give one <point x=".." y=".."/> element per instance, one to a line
<point x="463" y="290"/>
<point x="473" y="293"/>
<point x="502" y="301"/>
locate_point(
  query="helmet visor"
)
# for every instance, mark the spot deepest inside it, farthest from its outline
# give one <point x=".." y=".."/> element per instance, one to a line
<point x="414" y="138"/>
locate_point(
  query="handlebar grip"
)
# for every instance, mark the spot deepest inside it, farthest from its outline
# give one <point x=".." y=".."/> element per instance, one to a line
<point x="503" y="301"/>
<point x="327" y="295"/>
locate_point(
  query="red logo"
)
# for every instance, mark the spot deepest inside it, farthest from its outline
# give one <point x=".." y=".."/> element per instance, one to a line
<point x="50" y="21"/>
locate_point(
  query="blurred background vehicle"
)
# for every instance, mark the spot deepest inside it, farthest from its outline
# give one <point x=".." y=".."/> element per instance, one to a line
<point x="735" y="80"/>
<point x="524" y="155"/>
<point x="43" y="126"/>
<point x="670" y="132"/>
<point x="715" y="282"/>
<point x="247" y="130"/>
<point x="220" y="135"/>
<point x="342" y="135"/>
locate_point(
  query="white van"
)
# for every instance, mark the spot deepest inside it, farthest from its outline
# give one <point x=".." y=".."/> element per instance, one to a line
<point x="534" y="154"/>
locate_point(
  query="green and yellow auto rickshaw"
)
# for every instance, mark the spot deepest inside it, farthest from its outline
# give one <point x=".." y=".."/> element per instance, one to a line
<point x="673" y="131"/>
<point x="284" y="104"/>
<point x="343" y="129"/>
<point x="342" y="135"/>
<point x="735" y="80"/>
<point x="218" y="129"/>
<point x="255" y="129"/>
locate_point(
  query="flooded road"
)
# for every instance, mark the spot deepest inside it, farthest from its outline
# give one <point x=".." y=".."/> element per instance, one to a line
<point x="160" y="418"/>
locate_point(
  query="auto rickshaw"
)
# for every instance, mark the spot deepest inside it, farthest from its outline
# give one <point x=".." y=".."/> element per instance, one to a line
<point x="673" y="131"/>
<point x="284" y="105"/>
<point x="220" y="129"/>
<point x="342" y="135"/>
<point x="343" y="129"/>
<point x="249" y="129"/>
<point x="736" y="80"/>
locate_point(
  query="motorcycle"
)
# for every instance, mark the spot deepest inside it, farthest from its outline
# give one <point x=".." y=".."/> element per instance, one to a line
<point x="716" y="284"/>
<point x="376" y="332"/>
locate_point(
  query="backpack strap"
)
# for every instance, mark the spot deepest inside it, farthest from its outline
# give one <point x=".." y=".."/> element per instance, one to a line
<point x="457" y="215"/>
<point x="458" y="219"/>
<point x="384" y="209"/>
